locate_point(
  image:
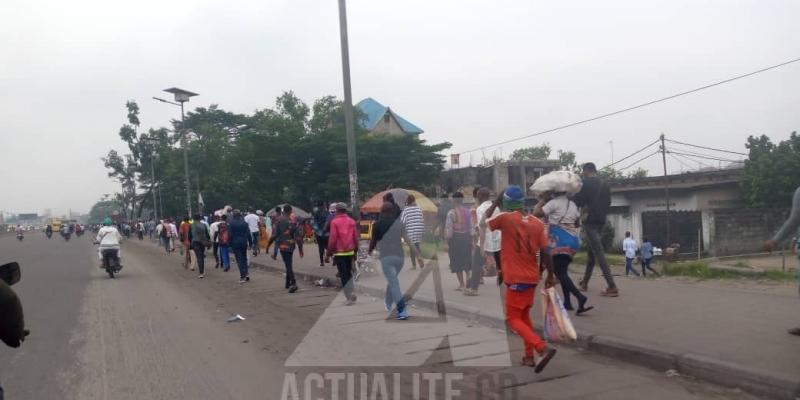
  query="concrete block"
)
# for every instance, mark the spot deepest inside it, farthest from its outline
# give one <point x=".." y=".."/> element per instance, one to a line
<point x="634" y="353"/>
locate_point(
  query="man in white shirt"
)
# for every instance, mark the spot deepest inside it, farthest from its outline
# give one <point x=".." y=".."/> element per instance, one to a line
<point x="488" y="240"/>
<point x="108" y="237"/>
<point x="252" y="222"/>
<point x="629" y="247"/>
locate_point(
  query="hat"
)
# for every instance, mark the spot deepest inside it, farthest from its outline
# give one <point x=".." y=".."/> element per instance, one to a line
<point x="107" y="221"/>
<point x="341" y="206"/>
<point x="513" y="198"/>
<point x="259" y="212"/>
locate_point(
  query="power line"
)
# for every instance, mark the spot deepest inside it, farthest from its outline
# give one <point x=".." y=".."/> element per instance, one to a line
<point x="692" y="160"/>
<point x="639" y="160"/>
<point x="632" y="154"/>
<point x="698" y="154"/>
<point x="710" y="158"/>
<point x="679" y="161"/>
<point x="707" y="148"/>
<point x="722" y="82"/>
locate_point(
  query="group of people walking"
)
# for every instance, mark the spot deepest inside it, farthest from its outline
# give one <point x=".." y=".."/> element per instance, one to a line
<point x="234" y="232"/>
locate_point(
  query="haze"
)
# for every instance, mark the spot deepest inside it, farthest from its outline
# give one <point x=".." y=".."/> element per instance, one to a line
<point x="472" y="73"/>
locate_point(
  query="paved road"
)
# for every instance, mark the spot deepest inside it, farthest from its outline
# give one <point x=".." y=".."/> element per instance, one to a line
<point x="158" y="332"/>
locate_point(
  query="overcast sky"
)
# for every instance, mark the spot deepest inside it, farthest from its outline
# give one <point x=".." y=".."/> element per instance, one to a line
<point x="469" y="72"/>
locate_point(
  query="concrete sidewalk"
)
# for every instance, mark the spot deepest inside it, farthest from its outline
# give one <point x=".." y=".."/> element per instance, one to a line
<point x="726" y="335"/>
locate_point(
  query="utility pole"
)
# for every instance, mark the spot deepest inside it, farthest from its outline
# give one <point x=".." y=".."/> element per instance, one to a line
<point x="666" y="185"/>
<point x="185" y="143"/>
<point x="348" y="111"/>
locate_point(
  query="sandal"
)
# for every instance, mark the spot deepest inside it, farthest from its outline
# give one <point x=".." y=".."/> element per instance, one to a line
<point x="548" y="355"/>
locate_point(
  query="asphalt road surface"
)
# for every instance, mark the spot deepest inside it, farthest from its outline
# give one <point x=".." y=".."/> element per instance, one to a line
<point x="158" y="332"/>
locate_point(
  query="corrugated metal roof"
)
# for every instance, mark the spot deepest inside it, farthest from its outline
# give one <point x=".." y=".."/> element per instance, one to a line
<point x="374" y="111"/>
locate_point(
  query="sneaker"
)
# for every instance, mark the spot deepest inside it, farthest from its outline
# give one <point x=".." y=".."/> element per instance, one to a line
<point x="610" y="292"/>
<point x="351" y="300"/>
<point x="402" y="315"/>
<point x="470" y="292"/>
<point x="201" y="276"/>
<point x="247" y="278"/>
<point x="293" y="289"/>
<point x="387" y="305"/>
<point x="242" y="281"/>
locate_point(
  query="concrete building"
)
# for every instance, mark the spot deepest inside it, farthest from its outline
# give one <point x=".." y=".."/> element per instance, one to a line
<point x="497" y="175"/>
<point x="381" y="119"/>
<point x="706" y="213"/>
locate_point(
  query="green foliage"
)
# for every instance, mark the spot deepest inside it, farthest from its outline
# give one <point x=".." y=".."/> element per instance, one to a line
<point x="637" y="173"/>
<point x="701" y="270"/>
<point x="102" y="209"/>
<point x="769" y="178"/>
<point x="289" y="153"/>
<point x="610" y="174"/>
<point x="541" y="152"/>
<point x="567" y="161"/>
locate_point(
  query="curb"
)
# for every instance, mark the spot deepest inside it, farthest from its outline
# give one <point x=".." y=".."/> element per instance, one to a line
<point x="708" y="369"/>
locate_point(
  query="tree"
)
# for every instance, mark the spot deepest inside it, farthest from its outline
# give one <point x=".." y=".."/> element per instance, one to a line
<point x="567" y="161"/>
<point x="610" y="174"/>
<point x="102" y="209"/>
<point x="637" y="173"/>
<point x="287" y="153"/>
<point x="768" y="179"/>
<point x="541" y="152"/>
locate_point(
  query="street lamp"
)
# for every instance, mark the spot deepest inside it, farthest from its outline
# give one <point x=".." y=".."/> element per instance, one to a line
<point x="182" y="96"/>
<point x="151" y="142"/>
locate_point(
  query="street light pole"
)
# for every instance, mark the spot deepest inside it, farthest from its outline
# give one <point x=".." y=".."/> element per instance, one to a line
<point x="182" y="96"/>
<point x="348" y="111"/>
<point x="186" y="162"/>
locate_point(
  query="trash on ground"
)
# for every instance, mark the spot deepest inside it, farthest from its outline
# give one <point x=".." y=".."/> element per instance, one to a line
<point x="236" y="318"/>
<point x="671" y="373"/>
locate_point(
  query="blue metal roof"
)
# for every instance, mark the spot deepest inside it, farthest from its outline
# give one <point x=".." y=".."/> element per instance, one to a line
<point x="374" y="111"/>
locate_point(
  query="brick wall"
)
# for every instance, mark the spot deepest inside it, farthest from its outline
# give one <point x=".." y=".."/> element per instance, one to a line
<point x="742" y="230"/>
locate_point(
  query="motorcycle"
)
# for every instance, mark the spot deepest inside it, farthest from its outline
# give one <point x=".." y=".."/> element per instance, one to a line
<point x="66" y="235"/>
<point x="79" y="233"/>
<point x="12" y="321"/>
<point x="20" y="237"/>
<point x="111" y="261"/>
<point x="49" y="235"/>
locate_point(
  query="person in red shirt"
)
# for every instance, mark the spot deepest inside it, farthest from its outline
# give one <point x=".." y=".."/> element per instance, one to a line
<point x="342" y="246"/>
<point x="523" y="238"/>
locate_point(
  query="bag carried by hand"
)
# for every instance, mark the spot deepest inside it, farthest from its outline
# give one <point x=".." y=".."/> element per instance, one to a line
<point x="557" y="324"/>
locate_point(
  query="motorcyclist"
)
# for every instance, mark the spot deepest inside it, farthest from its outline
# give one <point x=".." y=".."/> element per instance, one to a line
<point x="108" y="237"/>
<point x="19" y="230"/>
<point x="48" y="230"/>
<point x="64" y="229"/>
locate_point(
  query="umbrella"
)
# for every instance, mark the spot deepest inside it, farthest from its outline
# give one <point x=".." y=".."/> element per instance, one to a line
<point x="373" y="205"/>
<point x="299" y="212"/>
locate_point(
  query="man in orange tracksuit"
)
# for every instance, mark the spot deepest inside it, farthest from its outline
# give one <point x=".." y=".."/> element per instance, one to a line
<point x="523" y="237"/>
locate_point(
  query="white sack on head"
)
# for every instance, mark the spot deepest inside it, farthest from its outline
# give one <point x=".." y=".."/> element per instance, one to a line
<point x="558" y="181"/>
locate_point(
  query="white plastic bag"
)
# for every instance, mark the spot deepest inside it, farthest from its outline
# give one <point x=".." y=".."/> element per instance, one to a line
<point x="558" y="181"/>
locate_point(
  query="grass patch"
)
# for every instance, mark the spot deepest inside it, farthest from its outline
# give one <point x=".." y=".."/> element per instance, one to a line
<point x="784" y="276"/>
<point x="698" y="270"/>
<point x="701" y="270"/>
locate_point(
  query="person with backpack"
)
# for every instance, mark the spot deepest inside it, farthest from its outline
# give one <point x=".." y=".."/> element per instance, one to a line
<point x="200" y="240"/>
<point x="458" y="232"/>
<point x="342" y="246"/>
<point x="222" y="242"/>
<point x="287" y="235"/>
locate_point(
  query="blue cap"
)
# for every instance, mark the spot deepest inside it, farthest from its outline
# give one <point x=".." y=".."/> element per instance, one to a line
<point x="513" y="198"/>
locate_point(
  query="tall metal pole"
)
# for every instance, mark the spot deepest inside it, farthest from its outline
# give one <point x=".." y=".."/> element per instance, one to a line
<point x="666" y="185"/>
<point x="153" y="186"/>
<point x="348" y="111"/>
<point x="186" y="162"/>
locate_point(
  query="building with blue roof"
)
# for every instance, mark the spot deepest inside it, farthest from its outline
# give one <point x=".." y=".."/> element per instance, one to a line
<point x="377" y="118"/>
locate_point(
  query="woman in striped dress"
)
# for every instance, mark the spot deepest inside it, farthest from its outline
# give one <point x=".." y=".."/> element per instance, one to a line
<point x="414" y="226"/>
